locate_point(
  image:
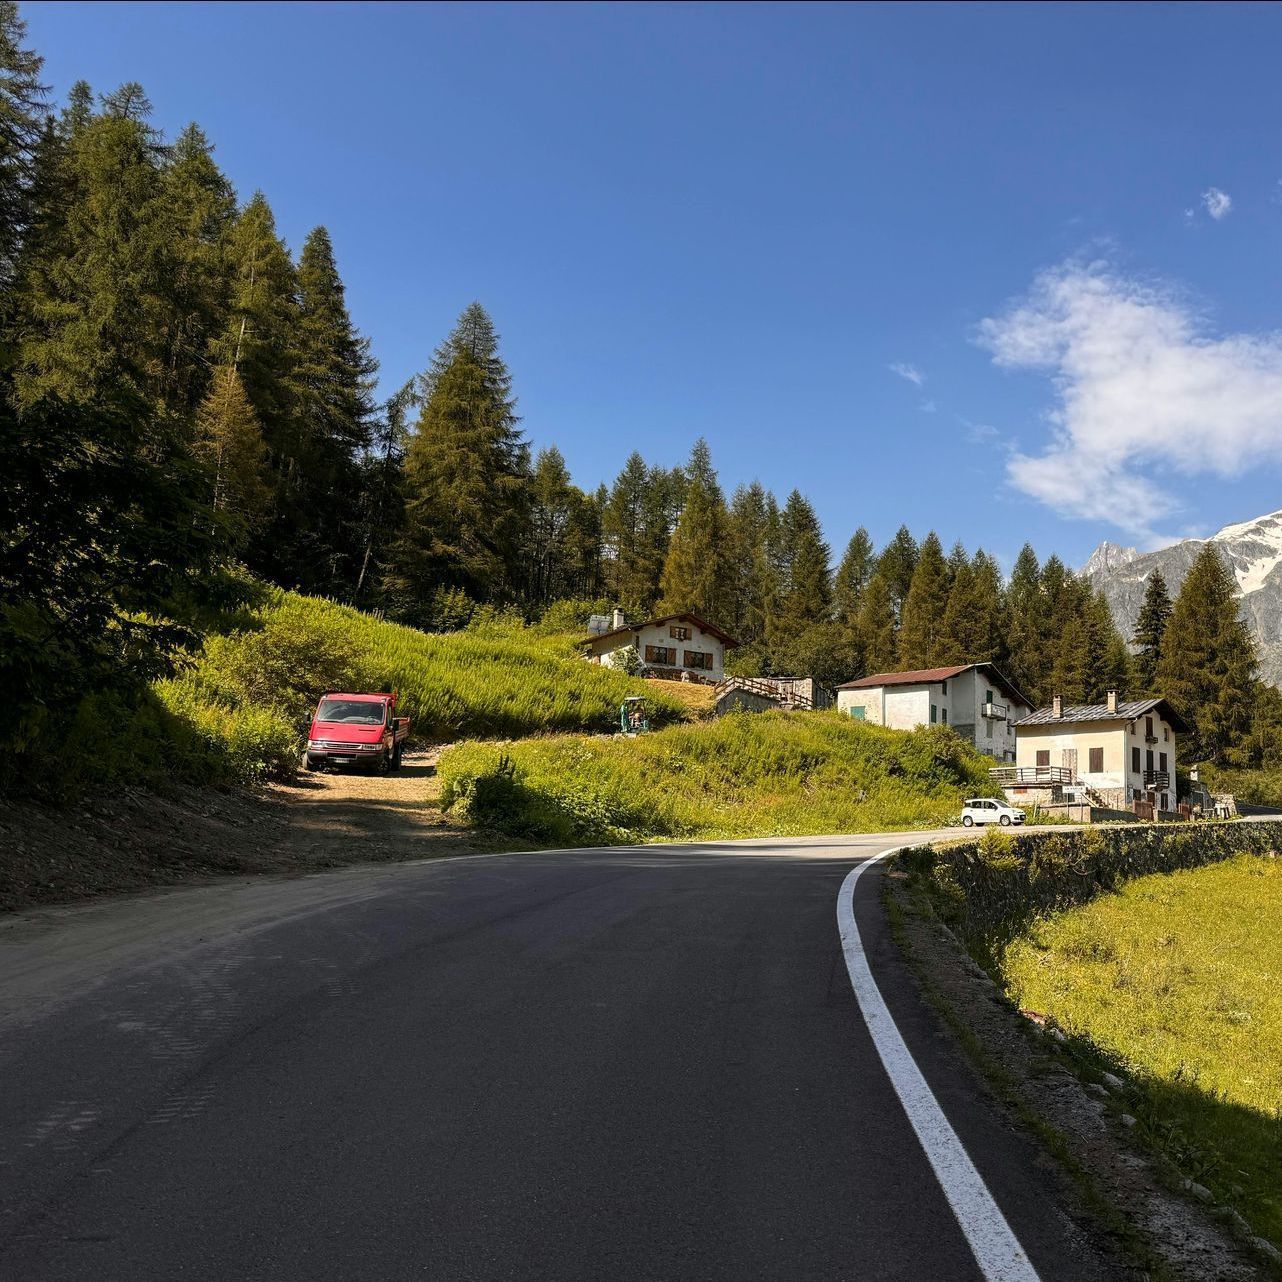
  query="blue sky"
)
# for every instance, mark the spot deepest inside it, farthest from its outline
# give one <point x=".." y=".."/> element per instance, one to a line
<point x="1061" y="224"/>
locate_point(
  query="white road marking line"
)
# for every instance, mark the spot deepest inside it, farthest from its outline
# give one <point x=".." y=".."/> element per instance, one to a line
<point x="996" y="1249"/>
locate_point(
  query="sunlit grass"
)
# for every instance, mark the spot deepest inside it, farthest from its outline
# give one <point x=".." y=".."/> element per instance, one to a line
<point x="1179" y="977"/>
<point x="744" y="775"/>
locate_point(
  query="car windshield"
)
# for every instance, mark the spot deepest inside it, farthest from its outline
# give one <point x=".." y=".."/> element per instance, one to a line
<point x="355" y="712"/>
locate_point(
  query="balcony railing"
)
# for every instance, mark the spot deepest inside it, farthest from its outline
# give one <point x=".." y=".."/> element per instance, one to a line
<point x="1022" y="775"/>
<point x="995" y="711"/>
<point x="1157" y="779"/>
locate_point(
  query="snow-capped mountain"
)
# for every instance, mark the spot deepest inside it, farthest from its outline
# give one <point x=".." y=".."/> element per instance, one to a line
<point x="1252" y="549"/>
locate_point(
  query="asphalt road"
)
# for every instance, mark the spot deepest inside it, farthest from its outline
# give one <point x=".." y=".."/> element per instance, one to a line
<point x="642" y="1063"/>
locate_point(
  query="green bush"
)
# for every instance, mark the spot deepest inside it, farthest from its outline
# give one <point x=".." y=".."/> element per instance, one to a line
<point x="766" y="774"/>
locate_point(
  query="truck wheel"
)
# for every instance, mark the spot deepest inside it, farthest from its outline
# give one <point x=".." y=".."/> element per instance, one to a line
<point x="384" y="762"/>
<point x="308" y="763"/>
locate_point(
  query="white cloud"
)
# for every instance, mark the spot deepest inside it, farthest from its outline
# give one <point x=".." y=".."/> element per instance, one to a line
<point x="1218" y="203"/>
<point x="981" y="433"/>
<point x="928" y="407"/>
<point x="909" y="372"/>
<point x="1141" y="389"/>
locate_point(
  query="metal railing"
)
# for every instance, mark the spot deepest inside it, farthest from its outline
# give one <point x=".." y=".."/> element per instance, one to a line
<point x="1008" y="775"/>
<point x="996" y="711"/>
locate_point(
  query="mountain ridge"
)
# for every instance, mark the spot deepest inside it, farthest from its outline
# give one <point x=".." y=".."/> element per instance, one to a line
<point x="1251" y="549"/>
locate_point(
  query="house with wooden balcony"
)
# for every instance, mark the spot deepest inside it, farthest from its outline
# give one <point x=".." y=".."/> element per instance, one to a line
<point x="675" y="647"/>
<point x="1109" y="755"/>
<point x="976" y="699"/>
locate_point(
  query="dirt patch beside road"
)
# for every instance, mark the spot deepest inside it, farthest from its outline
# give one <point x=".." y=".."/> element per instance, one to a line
<point x="133" y="839"/>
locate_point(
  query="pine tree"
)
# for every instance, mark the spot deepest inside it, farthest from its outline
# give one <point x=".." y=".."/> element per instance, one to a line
<point x="1025" y="626"/>
<point x="852" y="575"/>
<point x="637" y="523"/>
<point x="197" y="209"/>
<point x="88" y="303"/>
<point x="695" y="572"/>
<point x="1150" y="629"/>
<point x="805" y="595"/>
<point x="23" y="112"/>
<point x="921" y="631"/>
<point x="1208" y="658"/>
<point x="466" y="477"/>
<point x="382" y="499"/>
<point x="752" y="585"/>
<point x="554" y="504"/>
<point x="229" y="441"/>
<point x="876" y="626"/>
<point x="897" y="563"/>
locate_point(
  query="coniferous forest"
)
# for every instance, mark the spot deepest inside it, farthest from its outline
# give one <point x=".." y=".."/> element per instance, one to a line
<point x="183" y="397"/>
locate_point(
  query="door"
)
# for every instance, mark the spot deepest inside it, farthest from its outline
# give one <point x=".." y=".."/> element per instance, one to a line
<point x="1070" y="762"/>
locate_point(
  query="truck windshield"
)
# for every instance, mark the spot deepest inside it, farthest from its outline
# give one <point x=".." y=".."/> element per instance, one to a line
<point x="353" y="711"/>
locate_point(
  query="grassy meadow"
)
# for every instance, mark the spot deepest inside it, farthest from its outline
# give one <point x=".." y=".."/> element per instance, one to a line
<point x="238" y="709"/>
<point x="744" y="775"/>
<point x="1178" y="978"/>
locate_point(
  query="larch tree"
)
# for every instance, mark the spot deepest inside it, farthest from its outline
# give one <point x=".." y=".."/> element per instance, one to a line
<point x="695" y="572"/>
<point x="229" y="441"/>
<point x="921" y="630"/>
<point x="898" y="563"/>
<point x="856" y="568"/>
<point x="876" y="626"/>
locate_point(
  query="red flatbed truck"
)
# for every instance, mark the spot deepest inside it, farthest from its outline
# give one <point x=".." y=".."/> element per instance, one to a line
<point x="354" y="730"/>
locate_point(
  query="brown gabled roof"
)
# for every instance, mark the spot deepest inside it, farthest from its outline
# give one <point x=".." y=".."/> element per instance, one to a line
<point x="1127" y="710"/>
<point x="702" y="624"/>
<point x="929" y="676"/>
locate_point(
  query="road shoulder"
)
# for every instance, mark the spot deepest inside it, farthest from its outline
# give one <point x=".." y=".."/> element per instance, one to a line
<point x="1112" y="1191"/>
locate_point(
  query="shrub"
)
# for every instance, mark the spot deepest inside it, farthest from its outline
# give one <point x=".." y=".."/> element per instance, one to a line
<point x="766" y="774"/>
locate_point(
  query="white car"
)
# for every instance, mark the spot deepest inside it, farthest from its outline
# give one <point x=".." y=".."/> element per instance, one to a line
<point x="984" y="810"/>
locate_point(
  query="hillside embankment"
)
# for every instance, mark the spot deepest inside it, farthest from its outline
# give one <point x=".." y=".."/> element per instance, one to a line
<point x="136" y="838"/>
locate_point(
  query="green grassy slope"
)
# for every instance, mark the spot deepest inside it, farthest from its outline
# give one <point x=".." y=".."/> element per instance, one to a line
<point x="745" y="775"/>
<point x="1176" y="977"/>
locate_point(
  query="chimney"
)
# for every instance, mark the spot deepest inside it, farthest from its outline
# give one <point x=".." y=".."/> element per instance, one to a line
<point x="619" y="620"/>
<point x="1112" y="700"/>
<point x="1057" y="705"/>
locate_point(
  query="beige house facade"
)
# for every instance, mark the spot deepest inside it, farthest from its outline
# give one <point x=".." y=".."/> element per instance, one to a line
<point x="1109" y="754"/>
<point x="976" y="699"/>
<point x="679" y="647"/>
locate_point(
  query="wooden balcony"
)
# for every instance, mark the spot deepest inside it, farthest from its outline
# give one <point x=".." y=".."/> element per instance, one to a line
<point x="1157" y="779"/>
<point x="1031" y="776"/>
<point x="995" y="711"/>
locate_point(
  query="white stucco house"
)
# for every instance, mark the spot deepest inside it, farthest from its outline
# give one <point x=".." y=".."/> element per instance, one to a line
<point x="976" y="699"/>
<point x="1116" y="752"/>
<point x="679" y="647"/>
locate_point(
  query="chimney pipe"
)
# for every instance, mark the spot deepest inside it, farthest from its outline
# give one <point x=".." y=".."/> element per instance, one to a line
<point x="1112" y="700"/>
<point x="620" y="620"/>
<point x="1057" y="705"/>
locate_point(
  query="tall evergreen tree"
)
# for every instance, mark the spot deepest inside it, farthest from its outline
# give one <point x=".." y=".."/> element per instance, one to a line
<point x="23" y="112"/>
<point x="467" y="478"/>
<point x="898" y="563"/>
<point x="382" y="497"/>
<point x="852" y="575"/>
<point x="695" y="572"/>
<point x="1150" y="629"/>
<point x="752" y="582"/>
<point x="805" y="595"/>
<point x="1208" y="657"/>
<point x="230" y="442"/>
<point x="1025" y="626"/>
<point x="921" y="631"/>
<point x="876" y="625"/>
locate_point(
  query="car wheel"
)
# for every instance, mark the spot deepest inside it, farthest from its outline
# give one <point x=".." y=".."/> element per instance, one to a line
<point x="967" y="821"/>
<point x="1005" y="821"/>
<point x="308" y="763"/>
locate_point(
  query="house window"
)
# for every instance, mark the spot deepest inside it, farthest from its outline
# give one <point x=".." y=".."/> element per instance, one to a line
<point x="944" y="687"/>
<point x="934" y="714"/>
<point x="1135" y="761"/>
<point x="859" y="712"/>
<point x="699" y="659"/>
<point x="678" y="633"/>
<point x="1097" y="761"/>
<point x="1164" y="806"/>
<point x="1161" y="762"/>
<point x="1148" y="727"/>
<point x="943" y="712"/>
<point x="663" y="655"/>
<point x="1043" y="756"/>
<point x="988" y="727"/>
<point x="1166" y="735"/>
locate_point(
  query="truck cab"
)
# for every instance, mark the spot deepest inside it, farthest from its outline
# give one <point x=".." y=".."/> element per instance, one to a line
<point x="354" y="730"/>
